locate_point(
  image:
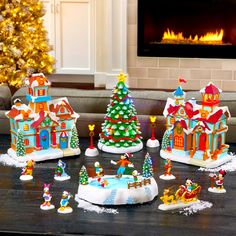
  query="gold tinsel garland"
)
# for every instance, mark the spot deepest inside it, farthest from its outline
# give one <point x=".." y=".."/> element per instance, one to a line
<point x="24" y="48"/>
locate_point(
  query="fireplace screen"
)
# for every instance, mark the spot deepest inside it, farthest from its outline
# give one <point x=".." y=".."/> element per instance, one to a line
<point x="187" y="28"/>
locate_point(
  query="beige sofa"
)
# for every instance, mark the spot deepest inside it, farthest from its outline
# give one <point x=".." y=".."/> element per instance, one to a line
<point x="92" y="104"/>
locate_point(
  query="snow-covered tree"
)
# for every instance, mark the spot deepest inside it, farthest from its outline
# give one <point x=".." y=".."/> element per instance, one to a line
<point x="74" y="141"/>
<point x="83" y="175"/>
<point x="147" y="167"/>
<point x="165" y="141"/>
<point x="20" y="147"/>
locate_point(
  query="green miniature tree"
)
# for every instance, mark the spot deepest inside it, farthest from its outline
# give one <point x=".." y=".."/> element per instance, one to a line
<point x="147" y="167"/>
<point x="121" y="127"/>
<point x="20" y="147"/>
<point x="74" y="141"/>
<point x="165" y="141"/>
<point x="83" y="176"/>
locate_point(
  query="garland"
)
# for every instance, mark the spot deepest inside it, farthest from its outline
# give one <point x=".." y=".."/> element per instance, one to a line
<point x="120" y="119"/>
<point x="120" y="100"/>
<point x="119" y="139"/>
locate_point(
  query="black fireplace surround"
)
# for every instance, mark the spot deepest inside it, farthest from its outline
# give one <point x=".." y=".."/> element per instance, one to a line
<point x="191" y="17"/>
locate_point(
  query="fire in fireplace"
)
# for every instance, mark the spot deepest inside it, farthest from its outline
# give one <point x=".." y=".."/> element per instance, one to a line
<point x="187" y="28"/>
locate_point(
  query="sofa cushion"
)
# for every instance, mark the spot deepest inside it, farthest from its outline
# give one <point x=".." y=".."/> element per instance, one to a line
<point x="5" y="97"/>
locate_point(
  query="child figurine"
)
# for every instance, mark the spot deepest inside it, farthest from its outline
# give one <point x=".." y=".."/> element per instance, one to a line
<point x="123" y="162"/>
<point x="103" y="182"/>
<point x="64" y="203"/>
<point x="189" y="185"/>
<point x="167" y="175"/>
<point x="27" y="171"/>
<point x="60" y="173"/>
<point x="47" y="198"/>
<point x="135" y="175"/>
<point x="218" y="181"/>
<point x="98" y="169"/>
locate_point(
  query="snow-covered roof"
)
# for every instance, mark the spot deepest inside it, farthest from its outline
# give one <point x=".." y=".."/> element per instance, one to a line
<point x="210" y="89"/>
<point x="37" y="80"/>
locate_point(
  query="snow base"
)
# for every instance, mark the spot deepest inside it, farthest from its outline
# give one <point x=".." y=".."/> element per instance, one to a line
<point x="152" y="143"/>
<point x="65" y="210"/>
<point x="62" y="178"/>
<point x="167" y="177"/>
<point x="91" y="152"/>
<point x="42" y="155"/>
<point x="113" y="194"/>
<point x="196" y="162"/>
<point x="90" y="207"/>
<point x="26" y="177"/>
<point x="174" y="206"/>
<point x="46" y="208"/>
<point x="6" y="160"/>
<point x="216" y="190"/>
<point x="121" y="150"/>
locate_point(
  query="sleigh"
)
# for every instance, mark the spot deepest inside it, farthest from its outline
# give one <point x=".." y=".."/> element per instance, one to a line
<point x="184" y="195"/>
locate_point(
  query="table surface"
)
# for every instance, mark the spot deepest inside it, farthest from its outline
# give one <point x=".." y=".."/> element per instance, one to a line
<point x="20" y="201"/>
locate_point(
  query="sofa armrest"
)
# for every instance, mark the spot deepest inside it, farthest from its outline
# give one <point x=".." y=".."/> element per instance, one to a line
<point x="5" y="97"/>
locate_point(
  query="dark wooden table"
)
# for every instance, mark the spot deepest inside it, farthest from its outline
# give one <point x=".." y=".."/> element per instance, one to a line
<point x="20" y="201"/>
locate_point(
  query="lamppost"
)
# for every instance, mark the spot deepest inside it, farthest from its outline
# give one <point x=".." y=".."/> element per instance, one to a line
<point x="91" y="151"/>
<point x="153" y="142"/>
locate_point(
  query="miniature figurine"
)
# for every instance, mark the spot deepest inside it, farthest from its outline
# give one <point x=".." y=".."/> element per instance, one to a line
<point x="123" y="162"/>
<point x="47" y="198"/>
<point x="135" y="175"/>
<point x="60" y="173"/>
<point x="218" y="181"/>
<point x="64" y="203"/>
<point x="189" y="127"/>
<point x="103" y="182"/>
<point x="43" y="123"/>
<point x="167" y="175"/>
<point x="27" y="171"/>
<point x="184" y="196"/>
<point x="153" y="142"/>
<point x="98" y="169"/>
<point x="91" y="151"/>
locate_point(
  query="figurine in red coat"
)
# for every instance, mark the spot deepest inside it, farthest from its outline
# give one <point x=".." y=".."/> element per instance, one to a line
<point x="218" y="181"/>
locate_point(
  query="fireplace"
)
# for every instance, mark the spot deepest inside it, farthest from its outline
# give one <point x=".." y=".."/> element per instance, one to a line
<point x="187" y="28"/>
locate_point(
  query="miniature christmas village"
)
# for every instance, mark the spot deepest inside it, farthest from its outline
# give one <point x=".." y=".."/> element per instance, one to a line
<point x="195" y="134"/>
<point x="121" y="128"/>
<point x="119" y="189"/>
<point x="44" y="129"/>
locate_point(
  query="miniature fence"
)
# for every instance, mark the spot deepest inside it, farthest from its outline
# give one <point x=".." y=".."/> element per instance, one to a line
<point x="139" y="183"/>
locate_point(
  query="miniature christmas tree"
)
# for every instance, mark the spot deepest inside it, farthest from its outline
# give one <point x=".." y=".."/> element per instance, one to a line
<point x="20" y="147"/>
<point x="74" y="142"/>
<point x="165" y="141"/>
<point x="121" y="128"/>
<point x="23" y="44"/>
<point x="83" y="174"/>
<point x="147" y="167"/>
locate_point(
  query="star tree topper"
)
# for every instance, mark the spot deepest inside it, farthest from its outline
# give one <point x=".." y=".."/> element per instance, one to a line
<point x="122" y="77"/>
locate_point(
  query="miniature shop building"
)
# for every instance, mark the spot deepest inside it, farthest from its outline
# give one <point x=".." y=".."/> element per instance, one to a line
<point x="44" y="122"/>
<point x="197" y="130"/>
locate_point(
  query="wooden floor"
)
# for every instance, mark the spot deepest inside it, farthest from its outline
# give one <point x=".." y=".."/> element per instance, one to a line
<point x="20" y="201"/>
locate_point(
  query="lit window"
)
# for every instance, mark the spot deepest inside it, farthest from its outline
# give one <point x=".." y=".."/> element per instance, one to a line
<point x="62" y="110"/>
<point x="179" y="141"/>
<point x="30" y="91"/>
<point x="26" y="142"/>
<point x="63" y="125"/>
<point x="41" y="92"/>
<point x="14" y="140"/>
<point x="41" y="106"/>
<point x="26" y="127"/>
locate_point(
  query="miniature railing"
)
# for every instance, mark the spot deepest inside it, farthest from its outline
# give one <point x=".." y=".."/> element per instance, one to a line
<point x="139" y="183"/>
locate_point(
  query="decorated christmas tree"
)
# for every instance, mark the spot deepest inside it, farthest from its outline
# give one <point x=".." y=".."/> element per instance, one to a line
<point x="23" y="44"/>
<point x="121" y="128"/>
<point x="147" y="167"/>
<point x="83" y="175"/>
<point x="74" y="142"/>
<point x="165" y="141"/>
<point x="20" y="147"/>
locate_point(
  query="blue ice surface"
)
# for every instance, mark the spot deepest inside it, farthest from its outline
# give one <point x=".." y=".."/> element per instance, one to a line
<point x="113" y="182"/>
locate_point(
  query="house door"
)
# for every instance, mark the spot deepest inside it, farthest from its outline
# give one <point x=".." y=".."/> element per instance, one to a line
<point x="202" y="141"/>
<point x="44" y="139"/>
<point x="64" y="142"/>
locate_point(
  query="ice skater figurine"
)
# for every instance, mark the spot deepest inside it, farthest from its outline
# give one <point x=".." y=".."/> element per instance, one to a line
<point x="27" y="171"/>
<point x="135" y="175"/>
<point x="47" y="198"/>
<point x="64" y="203"/>
<point x="103" y="182"/>
<point x="168" y="166"/>
<point x="98" y="169"/>
<point x="60" y="173"/>
<point x="217" y="182"/>
<point x="123" y="162"/>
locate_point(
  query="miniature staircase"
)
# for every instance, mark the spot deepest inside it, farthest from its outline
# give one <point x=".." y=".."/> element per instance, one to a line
<point x="198" y="155"/>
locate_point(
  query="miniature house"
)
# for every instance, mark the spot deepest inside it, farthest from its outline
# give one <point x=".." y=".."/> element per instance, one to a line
<point x="46" y="124"/>
<point x="197" y="133"/>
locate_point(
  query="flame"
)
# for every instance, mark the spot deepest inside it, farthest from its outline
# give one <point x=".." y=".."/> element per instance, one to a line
<point x="208" y="37"/>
